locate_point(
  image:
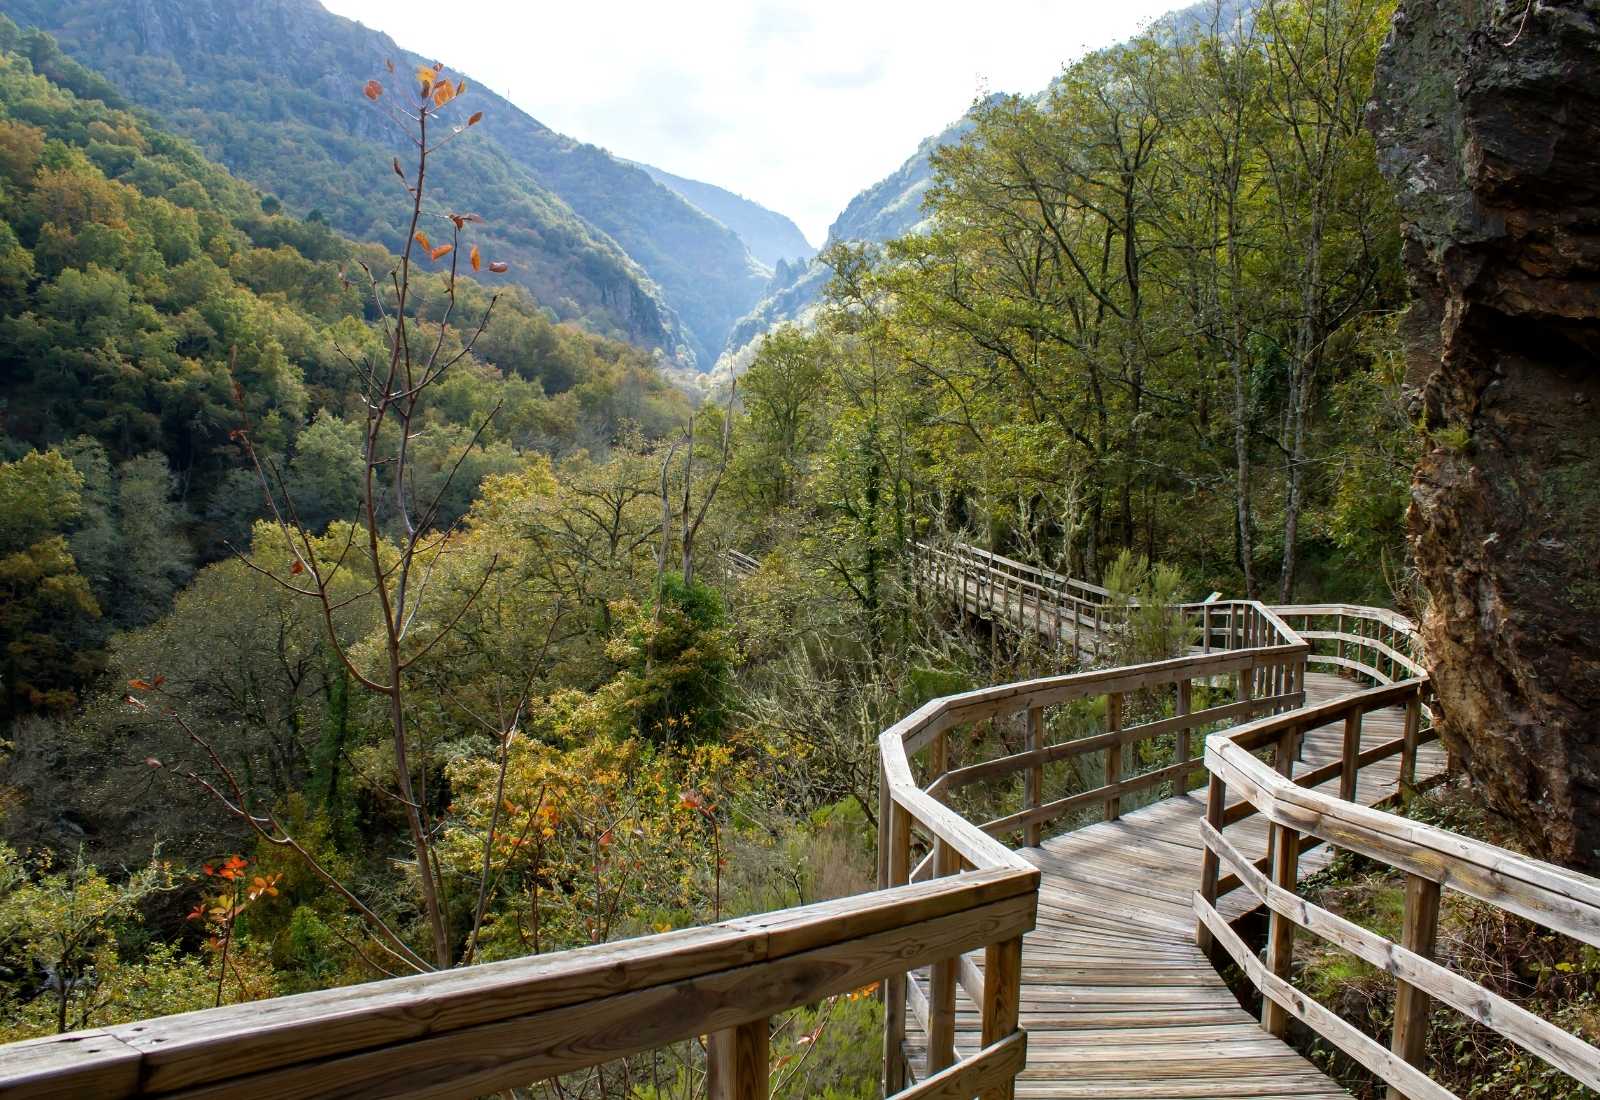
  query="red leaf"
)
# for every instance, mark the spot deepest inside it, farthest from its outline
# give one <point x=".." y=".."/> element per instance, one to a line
<point x="373" y="90"/>
<point x="499" y="267"/>
<point x="298" y="567"/>
<point x="141" y="685"/>
<point x="477" y="116"/>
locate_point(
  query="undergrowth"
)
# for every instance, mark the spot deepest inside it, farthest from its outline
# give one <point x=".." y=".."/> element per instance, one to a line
<point x="1551" y="975"/>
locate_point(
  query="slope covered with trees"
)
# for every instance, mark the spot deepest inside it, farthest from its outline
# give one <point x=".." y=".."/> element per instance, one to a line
<point x="770" y="237"/>
<point x="595" y="239"/>
<point x="151" y="308"/>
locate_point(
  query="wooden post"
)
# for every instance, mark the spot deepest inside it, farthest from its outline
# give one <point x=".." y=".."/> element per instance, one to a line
<point x="1113" y="754"/>
<point x="894" y="987"/>
<point x="738" y="1062"/>
<point x="1350" y="762"/>
<point x="1002" y="1001"/>
<point x="1033" y="791"/>
<point x="885" y="837"/>
<point x="1338" y="643"/>
<point x="942" y="974"/>
<point x="1284" y="845"/>
<point x="1185" y="696"/>
<point x="1246" y="691"/>
<point x="1216" y="803"/>
<point x="1284" y="753"/>
<point x="1413" y="733"/>
<point x="942" y="983"/>
<point x="1412" y="1005"/>
<point x="1205" y="628"/>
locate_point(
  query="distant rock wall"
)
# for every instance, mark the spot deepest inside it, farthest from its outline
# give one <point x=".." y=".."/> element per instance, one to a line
<point x="1487" y="118"/>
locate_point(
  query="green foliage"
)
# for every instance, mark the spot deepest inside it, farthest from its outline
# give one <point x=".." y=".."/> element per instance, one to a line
<point x="73" y="953"/>
<point x="1146" y="624"/>
<point x="152" y="308"/>
<point x="45" y="602"/>
<point x="674" y="660"/>
<point x="593" y="238"/>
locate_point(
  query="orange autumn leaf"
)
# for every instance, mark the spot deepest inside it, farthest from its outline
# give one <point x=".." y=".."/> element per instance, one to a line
<point x="475" y="258"/>
<point x="477" y="116"/>
<point x="442" y="251"/>
<point x="373" y="90"/>
<point x="422" y="239"/>
<point x="443" y="93"/>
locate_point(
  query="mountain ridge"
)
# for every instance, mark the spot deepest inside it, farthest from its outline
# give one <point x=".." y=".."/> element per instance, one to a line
<point x="597" y="239"/>
<point x="769" y="235"/>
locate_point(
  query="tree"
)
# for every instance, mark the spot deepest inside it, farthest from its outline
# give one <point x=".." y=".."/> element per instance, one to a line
<point x="783" y="425"/>
<point x="41" y="589"/>
<point x="397" y="542"/>
<point x="154" y="557"/>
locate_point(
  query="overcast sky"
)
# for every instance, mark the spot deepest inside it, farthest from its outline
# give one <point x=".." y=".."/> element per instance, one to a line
<point x="797" y="105"/>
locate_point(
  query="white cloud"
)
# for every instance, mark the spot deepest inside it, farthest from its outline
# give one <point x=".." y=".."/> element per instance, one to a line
<point x="796" y="105"/>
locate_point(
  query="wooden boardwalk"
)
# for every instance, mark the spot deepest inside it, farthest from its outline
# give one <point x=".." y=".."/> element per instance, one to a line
<point x="1117" y="1000"/>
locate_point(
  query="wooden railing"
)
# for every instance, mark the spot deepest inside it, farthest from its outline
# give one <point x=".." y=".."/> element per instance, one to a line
<point x="1255" y="660"/>
<point x="467" y="1032"/>
<point x="1300" y="818"/>
<point x="985" y="583"/>
<point x="1373" y="644"/>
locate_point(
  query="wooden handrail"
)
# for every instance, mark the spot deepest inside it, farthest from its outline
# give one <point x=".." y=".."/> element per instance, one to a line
<point x="465" y="1032"/>
<point x="1431" y="858"/>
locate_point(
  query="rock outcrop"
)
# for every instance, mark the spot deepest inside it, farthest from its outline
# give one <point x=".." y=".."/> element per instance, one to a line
<point x="1487" y="119"/>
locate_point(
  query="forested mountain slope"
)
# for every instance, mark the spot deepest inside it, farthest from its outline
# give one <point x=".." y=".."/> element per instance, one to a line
<point x="151" y="309"/>
<point x="888" y="209"/>
<point x="595" y="239"/>
<point x="769" y="235"/>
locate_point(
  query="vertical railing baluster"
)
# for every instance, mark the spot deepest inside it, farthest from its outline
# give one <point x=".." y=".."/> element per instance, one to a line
<point x="1113" y="806"/>
<point x="1216" y="805"/>
<point x="1002" y="1001"/>
<point x="942" y="974"/>
<point x="738" y="1062"/>
<point x="1284" y="846"/>
<point x="1184" y="705"/>
<point x="1413" y="737"/>
<point x="1033" y="793"/>
<point x="1350" y="757"/>
<point x="894" y="988"/>
<point x="1420" y="934"/>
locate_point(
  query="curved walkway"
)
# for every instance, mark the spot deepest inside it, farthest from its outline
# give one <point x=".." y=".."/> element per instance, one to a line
<point x="1117" y="999"/>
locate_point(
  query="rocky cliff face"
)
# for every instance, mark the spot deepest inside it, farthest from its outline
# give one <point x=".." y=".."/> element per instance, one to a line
<point x="1488" y="121"/>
